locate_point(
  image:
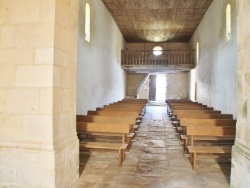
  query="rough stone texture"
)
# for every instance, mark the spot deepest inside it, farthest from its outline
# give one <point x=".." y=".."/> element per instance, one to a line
<point x="216" y="73"/>
<point x="133" y="82"/>
<point x="240" y="176"/>
<point x="101" y="79"/>
<point x="37" y="87"/>
<point x="152" y="88"/>
<point x="155" y="160"/>
<point x="177" y="86"/>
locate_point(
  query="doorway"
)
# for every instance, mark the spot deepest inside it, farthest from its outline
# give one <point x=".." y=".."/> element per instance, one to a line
<point x="160" y="87"/>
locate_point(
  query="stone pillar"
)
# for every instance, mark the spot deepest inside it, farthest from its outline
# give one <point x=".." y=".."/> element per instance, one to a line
<point x="240" y="172"/>
<point x="152" y="88"/>
<point x="38" y="142"/>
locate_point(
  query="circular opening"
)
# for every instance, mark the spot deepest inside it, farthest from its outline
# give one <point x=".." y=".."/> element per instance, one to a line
<point x="157" y="50"/>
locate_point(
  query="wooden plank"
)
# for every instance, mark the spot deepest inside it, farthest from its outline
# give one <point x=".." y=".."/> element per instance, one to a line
<point x="119" y="109"/>
<point x="205" y="116"/>
<point x="211" y="131"/>
<point x="210" y="149"/>
<point x="176" y="112"/>
<point x="103" y="127"/>
<point x="192" y="108"/>
<point x="207" y="122"/>
<point x="101" y="145"/>
<point x="115" y="113"/>
<point x="106" y="119"/>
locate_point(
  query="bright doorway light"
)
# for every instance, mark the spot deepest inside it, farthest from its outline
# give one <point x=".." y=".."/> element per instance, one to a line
<point x="160" y="87"/>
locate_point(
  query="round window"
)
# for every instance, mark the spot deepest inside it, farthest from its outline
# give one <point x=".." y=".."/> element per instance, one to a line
<point x="157" y="50"/>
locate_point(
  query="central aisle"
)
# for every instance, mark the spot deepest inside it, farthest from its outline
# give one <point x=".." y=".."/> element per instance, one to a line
<point x="155" y="160"/>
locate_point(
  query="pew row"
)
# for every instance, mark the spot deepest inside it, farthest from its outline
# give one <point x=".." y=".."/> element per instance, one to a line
<point x="112" y="130"/>
<point x="205" y="151"/>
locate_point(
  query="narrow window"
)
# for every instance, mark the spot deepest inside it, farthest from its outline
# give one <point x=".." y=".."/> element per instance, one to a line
<point x="197" y="52"/>
<point x="87" y="22"/>
<point x="228" y="22"/>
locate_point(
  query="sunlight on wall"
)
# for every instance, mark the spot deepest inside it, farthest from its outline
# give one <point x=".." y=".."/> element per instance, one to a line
<point x="193" y="86"/>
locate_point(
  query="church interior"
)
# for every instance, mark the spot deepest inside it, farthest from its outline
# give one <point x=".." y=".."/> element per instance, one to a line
<point x="124" y="93"/>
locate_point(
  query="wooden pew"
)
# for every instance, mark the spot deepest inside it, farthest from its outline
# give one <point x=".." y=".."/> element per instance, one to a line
<point x="118" y="109"/>
<point x="206" y="123"/>
<point x="175" y="113"/>
<point x="103" y="129"/>
<point x="220" y="131"/>
<point x="135" y="100"/>
<point x="191" y="108"/>
<point x="204" y="116"/>
<point x="112" y="119"/>
<point x="200" y="116"/>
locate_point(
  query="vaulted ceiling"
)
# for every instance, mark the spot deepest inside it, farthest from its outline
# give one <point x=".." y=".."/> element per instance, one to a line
<point x="157" y="20"/>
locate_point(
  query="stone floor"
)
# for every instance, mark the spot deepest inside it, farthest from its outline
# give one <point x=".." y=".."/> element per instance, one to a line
<point x="156" y="160"/>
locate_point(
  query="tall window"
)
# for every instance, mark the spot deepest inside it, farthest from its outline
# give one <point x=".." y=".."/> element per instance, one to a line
<point x="228" y="22"/>
<point x="87" y="22"/>
<point x="197" y="52"/>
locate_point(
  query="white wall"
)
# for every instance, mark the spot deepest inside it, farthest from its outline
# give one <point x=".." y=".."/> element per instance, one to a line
<point x="101" y="79"/>
<point x="216" y="73"/>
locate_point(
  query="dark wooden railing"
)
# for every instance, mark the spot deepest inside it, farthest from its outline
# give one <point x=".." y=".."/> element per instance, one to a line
<point x="168" y="57"/>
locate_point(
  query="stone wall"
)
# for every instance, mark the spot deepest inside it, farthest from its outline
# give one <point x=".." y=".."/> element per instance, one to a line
<point x="39" y="147"/>
<point x="216" y="73"/>
<point x="240" y="172"/>
<point x="177" y="86"/>
<point x="101" y="79"/>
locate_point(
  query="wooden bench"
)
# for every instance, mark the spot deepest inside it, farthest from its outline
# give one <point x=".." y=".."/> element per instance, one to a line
<point x="195" y="112"/>
<point x="104" y="129"/>
<point x="204" y="116"/>
<point x="112" y="119"/>
<point x="179" y="112"/>
<point x="115" y="113"/>
<point x="118" y="109"/>
<point x="207" y="123"/>
<point x="220" y="131"/>
<point x="200" y="116"/>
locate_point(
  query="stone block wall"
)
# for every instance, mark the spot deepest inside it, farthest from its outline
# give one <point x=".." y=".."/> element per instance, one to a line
<point x="39" y="147"/>
<point x="240" y="172"/>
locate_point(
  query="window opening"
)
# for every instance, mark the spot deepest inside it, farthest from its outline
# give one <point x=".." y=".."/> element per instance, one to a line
<point x="197" y="52"/>
<point x="87" y="22"/>
<point x="228" y="22"/>
<point x="157" y="50"/>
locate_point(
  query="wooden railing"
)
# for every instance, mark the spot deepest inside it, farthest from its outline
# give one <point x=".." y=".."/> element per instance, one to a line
<point x="168" y="57"/>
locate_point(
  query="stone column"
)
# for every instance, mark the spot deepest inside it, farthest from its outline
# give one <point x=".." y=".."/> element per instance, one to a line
<point x="38" y="142"/>
<point x="152" y="88"/>
<point x="240" y="172"/>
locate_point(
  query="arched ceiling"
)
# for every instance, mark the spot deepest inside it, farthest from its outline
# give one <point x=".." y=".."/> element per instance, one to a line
<point x="157" y="20"/>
